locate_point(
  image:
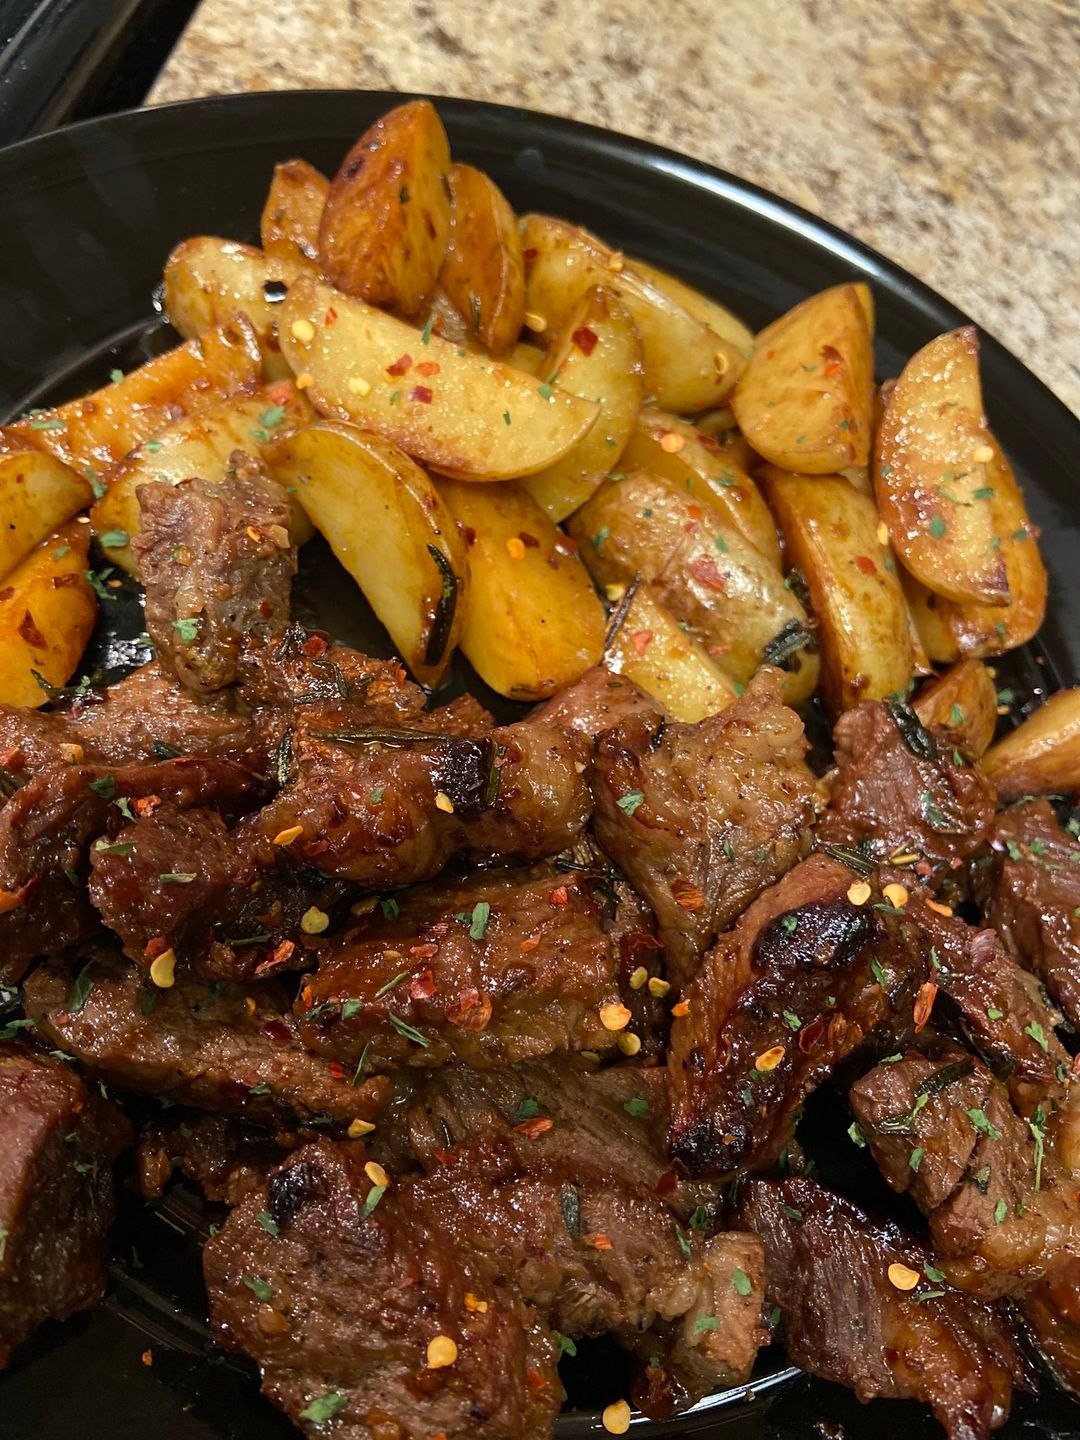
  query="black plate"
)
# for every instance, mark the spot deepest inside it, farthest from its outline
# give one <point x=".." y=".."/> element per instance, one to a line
<point x="89" y="215"/>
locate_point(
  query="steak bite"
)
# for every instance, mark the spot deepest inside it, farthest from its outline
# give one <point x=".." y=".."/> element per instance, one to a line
<point x="1030" y="892"/>
<point x="900" y="788"/>
<point x="599" y="701"/>
<point x="500" y="967"/>
<point x="856" y="1308"/>
<point x="217" y="564"/>
<point x="358" y="1308"/>
<point x="195" y="1044"/>
<point x="224" y="1156"/>
<point x="802" y="980"/>
<point x="60" y="1138"/>
<point x="701" y="818"/>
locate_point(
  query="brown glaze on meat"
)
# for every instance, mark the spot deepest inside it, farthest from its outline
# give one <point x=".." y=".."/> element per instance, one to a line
<point x="225" y="1157"/>
<point x="500" y="967"/>
<point x="842" y="1318"/>
<point x="899" y="787"/>
<point x="60" y="1138"/>
<point x="701" y="818"/>
<point x="597" y="702"/>
<point x="338" y="1301"/>
<point x="195" y="1044"/>
<point x="1031" y="897"/>
<point x="778" y="1002"/>
<point x="217" y="564"/>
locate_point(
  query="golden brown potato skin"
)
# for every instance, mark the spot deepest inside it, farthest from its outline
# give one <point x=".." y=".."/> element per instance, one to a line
<point x="804" y="402"/>
<point x="47" y="612"/>
<point x="386" y="223"/>
<point x="37" y="494"/>
<point x="1041" y="756"/>
<point x="964" y="701"/>
<point x="483" y="271"/>
<point x="293" y="211"/>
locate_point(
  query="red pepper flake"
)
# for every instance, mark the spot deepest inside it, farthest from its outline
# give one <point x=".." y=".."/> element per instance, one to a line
<point x="600" y="1241"/>
<point x="530" y="254"/>
<point x="530" y="942"/>
<point x="533" y="1129"/>
<point x="705" y="572"/>
<point x="146" y="804"/>
<point x="12" y="899"/>
<point x="559" y="896"/>
<point x="833" y="359"/>
<point x="585" y="339"/>
<point x="472" y="1011"/>
<point x="667" y="1184"/>
<point x="422" y="986"/>
<point x="281" y="392"/>
<point x="427" y="368"/>
<point x="641" y="640"/>
<point x="155" y="947"/>
<point x="400" y="365"/>
<point x="315" y="646"/>
<point x="62" y="582"/>
<point x="533" y="1379"/>
<point x="315" y="847"/>
<point x="694" y="511"/>
<point x="275" y="1030"/>
<point x="865" y="564"/>
<point x="686" y="895"/>
<point x="924" y="1003"/>
<point x="529" y="541"/>
<point x="420" y="393"/>
<point x="810" y="1034"/>
<point x="30" y="632"/>
<point x="331" y="316"/>
<point x="283" y="952"/>
<point x="337" y="1070"/>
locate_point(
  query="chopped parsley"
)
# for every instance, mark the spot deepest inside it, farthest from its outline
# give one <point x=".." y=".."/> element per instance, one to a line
<point x="740" y="1282"/>
<point x="324" y="1407"/>
<point x="258" y="1287"/>
<point x="629" y="803"/>
<point x="187" y="629"/>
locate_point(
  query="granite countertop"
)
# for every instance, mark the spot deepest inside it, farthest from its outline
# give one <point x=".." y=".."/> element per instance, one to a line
<point x="945" y="133"/>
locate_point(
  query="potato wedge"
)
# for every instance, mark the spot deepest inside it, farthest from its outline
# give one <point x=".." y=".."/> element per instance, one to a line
<point x="597" y="356"/>
<point x="666" y="445"/>
<point x="483" y="272"/>
<point x="534" y="623"/>
<point x="932" y="464"/>
<point x="387" y="525"/>
<point x="290" y="219"/>
<point x="47" y="612"/>
<point x="721" y="426"/>
<point x="37" y="495"/>
<point x="964" y="701"/>
<point x="830" y="536"/>
<point x="97" y="431"/>
<point x="804" y="400"/>
<point x="384" y="229"/>
<point x="710" y="312"/>
<point x="651" y="649"/>
<point x="198" y="445"/>
<point x="208" y="280"/>
<point x="461" y="414"/>
<point x="1042" y="755"/>
<point x="950" y="631"/>
<point x="688" y="367"/>
<point x="693" y="560"/>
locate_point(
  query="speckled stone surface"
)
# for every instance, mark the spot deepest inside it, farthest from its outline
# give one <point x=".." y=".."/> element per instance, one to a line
<point x="946" y="133"/>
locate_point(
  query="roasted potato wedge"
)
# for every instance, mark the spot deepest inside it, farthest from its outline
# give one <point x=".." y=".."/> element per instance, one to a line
<point x="650" y="648"/>
<point x="1042" y="755"/>
<point x="461" y="414"/>
<point x="964" y="701"/>
<point x="290" y="219"/>
<point x="386" y="222"/>
<point x="710" y="312"/>
<point x="96" y="432"/>
<point x="721" y="426"/>
<point x="483" y="272"/>
<point x="597" y="356"/>
<point x="804" y="400"/>
<point x="208" y="280"/>
<point x="666" y="445"/>
<point x="950" y="631"/>
<point x="932" y="463"/>
<point x="387" y="525"/>
<point x="534" y="623"/>
<point x="47" y="612"/>
<point x="692" y="559"/>
<point x="198" y="445"/>
<point x="688" y="367"/>
<point x="863" y="628"/>
<point x="37" y="494"/>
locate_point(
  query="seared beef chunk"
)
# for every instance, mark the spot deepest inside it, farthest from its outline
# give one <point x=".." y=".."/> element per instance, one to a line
<point x="701" y="818"/>
<point x="501" y="967"/>
<point x="800" y="982"/>
<point x="1031" y="896"/>
<point x="217" y="564"/>
<point x="60" y="1138"/>
<point x="225" y="1157"/>
<point x="900" y="788"/>
<point x="597" y="702"/>
<point x="46" y="829"/>
<point x="317" y="677"/>
<point x="838" y="1279"/>
<point x="195" y="1044"/>
<point x="1054" y="1329"/>
<point x="391" y="807"/>
<point x="360" y="1308"/>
